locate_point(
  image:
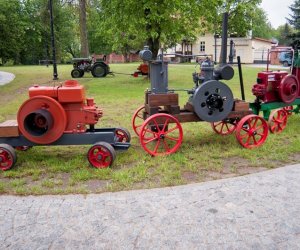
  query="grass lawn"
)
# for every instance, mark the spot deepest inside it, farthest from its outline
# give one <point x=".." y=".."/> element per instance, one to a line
<point x="203" y="155"/>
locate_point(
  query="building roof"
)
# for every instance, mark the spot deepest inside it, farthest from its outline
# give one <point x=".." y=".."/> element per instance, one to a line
<point x="263" y="40"/>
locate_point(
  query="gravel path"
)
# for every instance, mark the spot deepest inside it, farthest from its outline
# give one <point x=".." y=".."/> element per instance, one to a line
<point x="6" y="77"/>
<point x="257" y="211"/>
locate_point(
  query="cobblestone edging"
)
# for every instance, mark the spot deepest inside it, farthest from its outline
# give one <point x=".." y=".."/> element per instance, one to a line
<point x="258" y="211"/>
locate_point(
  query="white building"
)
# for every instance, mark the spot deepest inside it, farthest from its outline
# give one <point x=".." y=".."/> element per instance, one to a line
<point x="250" y="50"/>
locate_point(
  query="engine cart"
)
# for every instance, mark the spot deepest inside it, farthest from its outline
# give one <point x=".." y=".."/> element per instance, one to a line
<point x="60" y="115"/>
<point x="158" y="121"/>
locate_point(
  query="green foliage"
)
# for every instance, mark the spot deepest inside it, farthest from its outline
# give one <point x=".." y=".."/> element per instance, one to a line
<point x="261" y="27"/>
<point x="12" y="30"/>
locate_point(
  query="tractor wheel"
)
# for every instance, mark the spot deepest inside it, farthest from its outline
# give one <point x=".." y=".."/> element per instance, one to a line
<point x="101" y="155"/>
<point x="161" y="134"/>
<point x="277" y="120"/>
<point x="99" y="70"/>
<point x="8" y="157"/>
<point x="224" y="127"/>
<point x="138" y="119"/>
<point x="77" y="73"/>
<point x="252" y="131"/>
<point x="122" y="135"/>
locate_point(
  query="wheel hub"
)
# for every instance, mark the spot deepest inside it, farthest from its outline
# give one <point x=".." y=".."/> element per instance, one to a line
<point x="99" y="157"/>
<point x="1" y="159"/>
<point x="214" y="101"/>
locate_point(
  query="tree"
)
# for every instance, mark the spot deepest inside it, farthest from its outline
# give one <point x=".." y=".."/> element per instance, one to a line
<point x="294" y="19"/>
<point x="84" y="52"/>
<point x="11" y="30"/>
<point x="155" y="22"/>
<point x="284" y="34"/>
<point x="261" y="27"/>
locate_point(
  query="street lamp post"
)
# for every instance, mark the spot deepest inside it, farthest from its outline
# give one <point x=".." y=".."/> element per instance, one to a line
<point x="55" y="75"/>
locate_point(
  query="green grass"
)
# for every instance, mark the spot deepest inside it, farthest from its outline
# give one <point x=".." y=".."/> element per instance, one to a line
<point x="203" y="155"/>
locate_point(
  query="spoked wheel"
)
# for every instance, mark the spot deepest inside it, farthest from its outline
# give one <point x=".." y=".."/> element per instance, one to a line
<point x="224" y="127"/>
<point x="251" y="131"/>
<point x="8" y="157"/>
<point x="289" y="110"/>
<point x="101" y="155"/>
<point x="161" y="134"/>
<point x="277" y="120"/>
<point x="122" y="135"/>
<point x="138" y="119"/>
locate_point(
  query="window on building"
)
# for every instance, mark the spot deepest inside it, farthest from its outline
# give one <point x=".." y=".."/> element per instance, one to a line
<point x="202" y="46"/>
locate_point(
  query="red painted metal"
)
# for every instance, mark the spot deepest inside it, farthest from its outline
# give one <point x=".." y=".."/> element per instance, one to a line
<point x="277" y="120"/>
<point x="289" y="110"/>
<point x="7" y="157"/>
<point x="123" y="135"/>
<point x="276" y="86"/>
<point x="138" y="119"/>
<point x="100" y="155"/>
<point x="142" y="69"/>
<point x="252" y="131"/>
<point x="64" y="107"/>
<point x="161" y="134"/>
<point x="288" y="89"/>
<point x="223" y="127"/>
<point x="54" y="130"/>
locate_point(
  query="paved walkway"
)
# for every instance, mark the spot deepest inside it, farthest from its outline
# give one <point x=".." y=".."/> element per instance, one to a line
<point x="258" y="211"/>
<point x="6" y="77"/>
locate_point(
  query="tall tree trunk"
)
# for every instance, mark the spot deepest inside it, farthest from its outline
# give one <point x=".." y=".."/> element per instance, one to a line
<point x="153" y="46"/>
<point x="84" y="52"/>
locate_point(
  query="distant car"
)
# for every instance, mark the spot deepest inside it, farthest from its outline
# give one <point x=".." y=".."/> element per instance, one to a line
<point x="285" y="58"/>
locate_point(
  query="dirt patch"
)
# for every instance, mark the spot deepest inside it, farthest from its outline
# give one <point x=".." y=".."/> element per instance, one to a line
<point x="95" y="186"/>
<point x="190" y="177"/>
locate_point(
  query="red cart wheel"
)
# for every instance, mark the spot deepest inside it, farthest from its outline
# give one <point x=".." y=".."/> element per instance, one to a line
<point x="224" y="127"/>
<point x="289" y="110"/>
<point x="252" y="131"/>
<point x="161" y="134"/>
<point x="138" y="119"/>
<point x="123" y="135"/>
<point x="8" y="157"/>
<point x="277" y="120"/>
<point x="101" y="155"/>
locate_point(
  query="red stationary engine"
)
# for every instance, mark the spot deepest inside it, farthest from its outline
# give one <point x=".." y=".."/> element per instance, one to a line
<point x="276" y="86"/>
<point x="51" y="111"/>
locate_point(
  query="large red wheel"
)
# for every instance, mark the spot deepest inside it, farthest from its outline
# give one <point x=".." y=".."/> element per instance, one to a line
<point x="277" y="120"/>
<point x="224" y="127"/>
<point x="8" y="157"/>
<point x="252" y="131"/>
<point x="101" y="155"/>
<point x="289" y="110"/>
<point x="42" y="120"/>
<point x="161" y="134"/>
<point x="138" y="119"/>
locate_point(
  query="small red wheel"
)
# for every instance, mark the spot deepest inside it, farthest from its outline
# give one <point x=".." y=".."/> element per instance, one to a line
<point x="101" y="155"/>
<point x="224" y="127"/>
<point x="161" y="134"/>
<point x="8" y="157"/>
<point x="277" y="120"/>
<point x="251" y="131"/>
<point x="138" y="119"/>
<point x="122" y="135"/>
<point x="289" y="110"/>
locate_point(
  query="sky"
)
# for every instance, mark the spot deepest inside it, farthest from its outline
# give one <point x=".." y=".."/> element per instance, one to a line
<point x="277" y="10"/>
